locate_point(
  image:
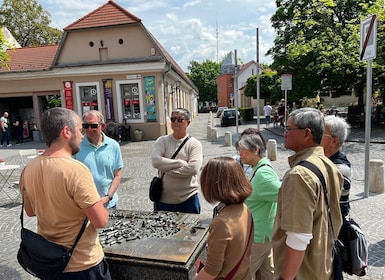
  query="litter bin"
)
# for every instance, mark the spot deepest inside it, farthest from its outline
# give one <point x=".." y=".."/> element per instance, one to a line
<point x="36" y="136"/>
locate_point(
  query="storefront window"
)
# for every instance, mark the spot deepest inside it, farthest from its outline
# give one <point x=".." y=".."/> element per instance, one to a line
<point x="88" y="98"/>
<point x="131" y="101"/>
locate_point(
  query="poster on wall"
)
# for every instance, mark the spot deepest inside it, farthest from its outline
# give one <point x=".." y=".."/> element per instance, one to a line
<point x="68" y="95"/>
<point x="149" y="89"/>
<point x="109" y="106"/>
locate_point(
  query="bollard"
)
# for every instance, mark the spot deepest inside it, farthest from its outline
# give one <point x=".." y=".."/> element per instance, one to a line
<point x="208" y="131"/>
<point x="228" y="138"/>
<point x="376" y="176"/>
<point x="272" y="149"/>
<point x="214" y="134"/>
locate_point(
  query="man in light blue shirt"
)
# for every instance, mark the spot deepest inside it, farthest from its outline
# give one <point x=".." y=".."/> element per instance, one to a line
<point x="103" y="157"/>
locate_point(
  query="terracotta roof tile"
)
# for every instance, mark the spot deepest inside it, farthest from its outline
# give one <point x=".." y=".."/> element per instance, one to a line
<point x="106" y="15"/>
<point x="30" y="58"/>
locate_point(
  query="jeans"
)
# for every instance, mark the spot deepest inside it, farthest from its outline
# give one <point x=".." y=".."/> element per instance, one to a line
<point x="98" y="272"/>
<point x="191" y="205"/>
<point x="5" y="136"/>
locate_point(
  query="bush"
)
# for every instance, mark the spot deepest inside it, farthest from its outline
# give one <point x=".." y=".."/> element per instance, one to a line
<point x="247" y="113"/>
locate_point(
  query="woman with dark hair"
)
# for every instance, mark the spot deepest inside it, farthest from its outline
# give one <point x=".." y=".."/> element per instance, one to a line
<point x="231" y="230"/>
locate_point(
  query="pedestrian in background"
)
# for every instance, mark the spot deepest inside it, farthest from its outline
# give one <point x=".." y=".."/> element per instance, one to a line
<point x="231" y="230"/>
<point x="61" y="193"/>
<point x="103" y="157"/>
<point x="262" y="202"/>
<point x="4" y="125"/>
<point x="336" y="132"/>
<point x="180" y="183"/>
<point x="267" y="111"/>
<point x="302" y="239"/>
<point x="18" y="125"/>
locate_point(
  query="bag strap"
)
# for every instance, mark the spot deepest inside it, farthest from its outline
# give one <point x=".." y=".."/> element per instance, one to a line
<point x="234" y="270"/>
<point x="77" y="237"/>
<point x="177" y="150"/>
<point x="318" y="173"/>
<point x="265" y="164"/>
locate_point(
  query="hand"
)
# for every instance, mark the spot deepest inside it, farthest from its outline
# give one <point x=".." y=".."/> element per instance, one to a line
<point x="105" y="200"/>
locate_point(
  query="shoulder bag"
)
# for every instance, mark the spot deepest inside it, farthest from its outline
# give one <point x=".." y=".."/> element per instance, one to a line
<point x="156" y="185"/>
<point x="42" y="258"/>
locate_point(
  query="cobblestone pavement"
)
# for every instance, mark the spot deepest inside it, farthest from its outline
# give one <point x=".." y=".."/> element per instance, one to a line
<point x="138" y="171"/>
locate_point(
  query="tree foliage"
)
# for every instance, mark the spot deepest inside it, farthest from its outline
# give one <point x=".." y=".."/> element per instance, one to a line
<point x="4" y="58"/>
<point x="29" y="23"/>
<point x="270" y="88"/>
<point x="204" y="76"/>
<point x="318" y="42"/>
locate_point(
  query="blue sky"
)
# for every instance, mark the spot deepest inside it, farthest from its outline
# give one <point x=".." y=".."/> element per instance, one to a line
<point x="187" y="29"/>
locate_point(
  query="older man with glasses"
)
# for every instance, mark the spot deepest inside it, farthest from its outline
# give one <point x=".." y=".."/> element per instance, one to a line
<point x="103" y="157"/>
<point x="303" y="239"/>
<point x="180" y="183"/>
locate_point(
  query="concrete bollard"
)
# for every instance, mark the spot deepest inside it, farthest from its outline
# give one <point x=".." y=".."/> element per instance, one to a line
<point x="209" y="131"/>
<point x="214" y="134"/>
<point x="376" y="176"/>
<point x="272" y="149"/>
<point x="228" y="138"/>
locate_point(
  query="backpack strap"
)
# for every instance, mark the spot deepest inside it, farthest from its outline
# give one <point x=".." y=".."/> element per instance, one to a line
<point x="321" y="178"/>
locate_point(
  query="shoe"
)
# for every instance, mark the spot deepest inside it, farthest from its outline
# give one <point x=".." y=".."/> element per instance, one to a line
<point x="9" y="145"/>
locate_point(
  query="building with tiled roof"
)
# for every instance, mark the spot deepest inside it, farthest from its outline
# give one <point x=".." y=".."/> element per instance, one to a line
<point x="107" y="60"/>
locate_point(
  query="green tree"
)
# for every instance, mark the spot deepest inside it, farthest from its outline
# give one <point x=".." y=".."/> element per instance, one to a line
<point x="204" y="76"/>
<point x="318" y="42"/>
<point x="29" y="23"/>
<point x="4" y="58"/>
<point x="269" y="86"/>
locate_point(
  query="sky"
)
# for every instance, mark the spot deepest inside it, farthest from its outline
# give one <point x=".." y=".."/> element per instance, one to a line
<point x="193" y="30"/>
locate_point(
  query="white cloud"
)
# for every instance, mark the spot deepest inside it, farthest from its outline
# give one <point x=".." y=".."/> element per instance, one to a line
<point x="188" y="29"/>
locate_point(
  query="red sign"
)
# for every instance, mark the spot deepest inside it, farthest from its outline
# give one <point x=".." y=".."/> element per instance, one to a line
<point x="68" y="94"/>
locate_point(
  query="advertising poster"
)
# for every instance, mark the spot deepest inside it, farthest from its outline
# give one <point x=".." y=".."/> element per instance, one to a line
<point x="109" y="106"/>
<point x="68" y="95"/>
<point x="149" y="89"/>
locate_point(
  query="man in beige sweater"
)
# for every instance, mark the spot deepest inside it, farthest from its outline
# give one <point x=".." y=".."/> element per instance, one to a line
<point x="180" y="184"/>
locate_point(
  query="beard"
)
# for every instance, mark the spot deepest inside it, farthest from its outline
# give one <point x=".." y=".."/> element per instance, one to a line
<point x="74" y="147"/>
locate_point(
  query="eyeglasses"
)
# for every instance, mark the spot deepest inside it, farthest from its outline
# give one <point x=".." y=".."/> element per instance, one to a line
<point x="287" y="129"/>
<point x="92" y="125"/>
<point x="328" y="135"/>
<point x="173" y="119"/>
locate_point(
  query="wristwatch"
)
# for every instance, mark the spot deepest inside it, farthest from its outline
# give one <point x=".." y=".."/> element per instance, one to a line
<point x="109" y="197"/>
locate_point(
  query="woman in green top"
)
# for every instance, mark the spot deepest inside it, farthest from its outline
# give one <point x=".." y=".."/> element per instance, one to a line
<point x="262" y="202"/>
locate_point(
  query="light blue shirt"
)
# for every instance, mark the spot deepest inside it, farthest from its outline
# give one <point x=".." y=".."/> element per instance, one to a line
<point x="102" y="161"/>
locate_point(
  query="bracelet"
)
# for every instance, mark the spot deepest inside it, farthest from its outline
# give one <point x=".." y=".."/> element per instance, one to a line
<point x="109" y="197"/>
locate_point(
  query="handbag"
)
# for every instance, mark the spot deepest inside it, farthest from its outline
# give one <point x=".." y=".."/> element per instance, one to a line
<point x="42" y="258"/>
<point x="156" y="185"/>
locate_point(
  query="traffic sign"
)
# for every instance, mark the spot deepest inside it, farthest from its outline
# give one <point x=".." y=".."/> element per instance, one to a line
<point x="368" y="42"/>
<point x="286" y="83"/>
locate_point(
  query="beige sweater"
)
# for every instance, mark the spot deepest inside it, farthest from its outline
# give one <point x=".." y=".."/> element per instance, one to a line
<point x="180" y="180"/>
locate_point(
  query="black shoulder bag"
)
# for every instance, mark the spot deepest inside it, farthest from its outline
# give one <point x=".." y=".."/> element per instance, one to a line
<point x="156" y="185"/>
<point x="42" y="258"/>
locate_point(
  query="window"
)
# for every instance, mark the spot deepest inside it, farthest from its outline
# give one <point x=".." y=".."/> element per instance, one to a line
<point x="88" y="95"/>
<point x="131" y="100"/>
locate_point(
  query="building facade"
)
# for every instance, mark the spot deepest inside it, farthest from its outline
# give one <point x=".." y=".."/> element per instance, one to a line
<point x="106" y="60"/>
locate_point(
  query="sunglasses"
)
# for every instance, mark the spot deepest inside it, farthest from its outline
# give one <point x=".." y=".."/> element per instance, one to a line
<point x="92" y="125"/>
<point x="173" y="119"/>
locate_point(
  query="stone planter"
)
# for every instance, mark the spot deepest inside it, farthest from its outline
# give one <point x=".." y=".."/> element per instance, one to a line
<point x="138" y="135"/>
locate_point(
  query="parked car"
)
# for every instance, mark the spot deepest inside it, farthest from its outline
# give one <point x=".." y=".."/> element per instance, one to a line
<point x="220" y="110"/>
<point x="228" y="117"/>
